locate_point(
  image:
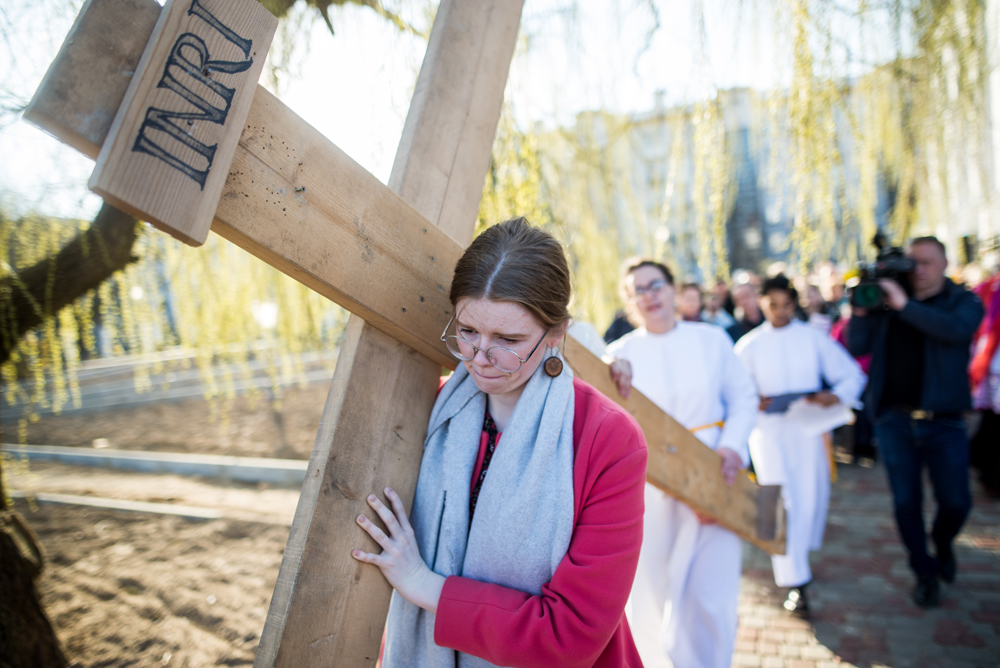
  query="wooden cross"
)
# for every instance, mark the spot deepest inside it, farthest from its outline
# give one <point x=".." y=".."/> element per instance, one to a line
<point x="191" y="142"/>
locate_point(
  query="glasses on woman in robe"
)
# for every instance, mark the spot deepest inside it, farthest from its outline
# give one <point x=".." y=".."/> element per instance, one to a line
<point x="504" y="359"/>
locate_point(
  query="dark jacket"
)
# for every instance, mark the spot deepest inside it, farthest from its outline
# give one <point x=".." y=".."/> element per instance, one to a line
<point x="947" y="321"/>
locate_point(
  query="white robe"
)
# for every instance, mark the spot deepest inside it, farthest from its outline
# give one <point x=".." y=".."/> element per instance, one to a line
<point x="791" y="359"/>
<point x="683" y="607"/>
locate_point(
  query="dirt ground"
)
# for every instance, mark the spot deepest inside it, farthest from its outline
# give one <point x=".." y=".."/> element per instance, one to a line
<point x="130" y="589"/>
<point x="135" y="589"/>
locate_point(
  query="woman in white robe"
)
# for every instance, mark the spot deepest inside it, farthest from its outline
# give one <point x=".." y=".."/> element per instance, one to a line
<point x="683" y="605"/>
<point x="787" y="357"/>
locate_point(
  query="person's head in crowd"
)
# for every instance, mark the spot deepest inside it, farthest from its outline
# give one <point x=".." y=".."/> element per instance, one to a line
<point x="778" y="298"/>
<point x="836" y="295"/>
<point x="745" y="299"/>
<point x="647" y="288"/>
<point x="713" y="302"/>
<point x="813" y="301"/>
<point x="931" y="261"/>
<point x="511" y="293"/>
<point x="689" y="302"/>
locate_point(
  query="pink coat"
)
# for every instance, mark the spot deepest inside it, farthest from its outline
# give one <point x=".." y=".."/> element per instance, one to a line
<point x="578" y="620"/>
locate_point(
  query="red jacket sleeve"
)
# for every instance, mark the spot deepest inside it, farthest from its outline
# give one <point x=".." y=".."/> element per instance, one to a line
<point x="571" y="622"/>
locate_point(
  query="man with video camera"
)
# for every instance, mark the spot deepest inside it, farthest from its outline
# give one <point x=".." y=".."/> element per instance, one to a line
<point x="919" y="338"/>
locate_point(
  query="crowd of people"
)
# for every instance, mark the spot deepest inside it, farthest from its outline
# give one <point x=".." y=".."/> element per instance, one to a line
<point x="533" y="538"/>
<point x="909" y="370"/>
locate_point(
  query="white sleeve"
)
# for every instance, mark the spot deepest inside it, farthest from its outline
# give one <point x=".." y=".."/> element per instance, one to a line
<point x="739" y="395"/>
<point x="615" y="350"/>
<point x="841" y="371"/>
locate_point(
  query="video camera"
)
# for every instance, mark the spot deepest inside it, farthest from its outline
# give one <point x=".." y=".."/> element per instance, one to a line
<point x="891" y="262"/>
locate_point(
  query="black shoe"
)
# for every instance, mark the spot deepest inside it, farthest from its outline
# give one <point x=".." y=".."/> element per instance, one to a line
<point x="947" y="568"/>
<point x="927" y="593"/>
<point x="797" y="603"/>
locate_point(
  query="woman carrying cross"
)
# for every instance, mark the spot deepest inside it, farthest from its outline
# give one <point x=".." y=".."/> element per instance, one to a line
<point x="527" y="519"/>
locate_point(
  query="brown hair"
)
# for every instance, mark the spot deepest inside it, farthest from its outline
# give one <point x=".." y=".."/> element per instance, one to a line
<point x="930" y="240"/>
<point x="630" y="265"/>
<point x="515" y="262"/>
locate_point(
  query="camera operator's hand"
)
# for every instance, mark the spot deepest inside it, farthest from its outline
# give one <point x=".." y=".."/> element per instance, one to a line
<point x="895" y="296"/>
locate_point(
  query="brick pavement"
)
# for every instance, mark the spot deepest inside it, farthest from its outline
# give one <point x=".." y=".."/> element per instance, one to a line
<point x="862" y="612"/>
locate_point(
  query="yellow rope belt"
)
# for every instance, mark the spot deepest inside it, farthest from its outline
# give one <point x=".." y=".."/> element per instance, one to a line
<point x="708" y="426"/>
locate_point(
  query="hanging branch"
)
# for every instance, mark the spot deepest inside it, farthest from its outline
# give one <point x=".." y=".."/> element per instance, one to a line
<point x="29" y="297"/>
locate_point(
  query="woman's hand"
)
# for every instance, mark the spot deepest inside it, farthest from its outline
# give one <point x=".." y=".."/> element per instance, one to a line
<point x="400" y="560"/>
<point x="765" y="402"/>
<point x="621" y="373"/>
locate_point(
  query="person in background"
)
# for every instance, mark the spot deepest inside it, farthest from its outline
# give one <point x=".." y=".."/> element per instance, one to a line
<point x="816" y="310"/>
<point x="721" y="291"/>
<point x="689" y="305"/>
<point x="748" y="315"/>
<point x="619" y="327"/>
<point x="683" y="605"/>
<point x="984" y="375"/>
<point x="917" y="391"/>
<point x="715" y="313"/>
<point x="863" y="445"/>
<point x="787" y="359"/>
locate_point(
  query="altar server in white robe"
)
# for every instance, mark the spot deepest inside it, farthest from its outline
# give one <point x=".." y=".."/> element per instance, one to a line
<point x="786" y="358"/>
<point x="683" y="605"/>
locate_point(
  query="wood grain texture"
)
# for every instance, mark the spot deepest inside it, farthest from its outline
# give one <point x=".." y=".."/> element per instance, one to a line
<point x="302" y="205"/>
<point x="452" y="150"/>
<point x="85" y="84"/>
<point x="166" y="155"/>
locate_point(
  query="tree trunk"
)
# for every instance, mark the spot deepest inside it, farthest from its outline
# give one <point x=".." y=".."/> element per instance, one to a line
<point x="40" y="291"/>
<point x="27" y="639"/>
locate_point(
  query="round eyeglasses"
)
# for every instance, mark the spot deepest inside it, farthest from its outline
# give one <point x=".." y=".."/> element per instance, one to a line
<point x="502" y="358"/>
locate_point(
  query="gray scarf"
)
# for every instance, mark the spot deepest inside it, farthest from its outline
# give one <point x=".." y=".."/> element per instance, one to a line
<point x="524" y="516"/>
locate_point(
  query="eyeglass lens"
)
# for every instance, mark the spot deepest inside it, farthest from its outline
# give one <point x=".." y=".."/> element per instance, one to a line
<point x="655" y="286"/>
<point x="503" y="359"/>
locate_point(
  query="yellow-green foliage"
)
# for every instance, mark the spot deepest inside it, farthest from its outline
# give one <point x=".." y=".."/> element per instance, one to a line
<point x="916" y="124"/>
<point x="199" y="300"/>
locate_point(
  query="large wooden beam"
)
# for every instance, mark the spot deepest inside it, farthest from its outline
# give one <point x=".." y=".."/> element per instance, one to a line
<point x="363" y="247"/>
<point x="328" y="609"/>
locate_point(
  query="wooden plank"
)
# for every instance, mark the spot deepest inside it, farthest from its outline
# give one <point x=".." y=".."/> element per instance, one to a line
<point x="77" y="103"/>
<point x="367" y="248"/>
<point x="358" y="244"/>
<point x="452" y="151"/>
<point x="322" y="593"/>
<point x="169" y="147"/>
<point x="684" y="467"/>
<point x="327" y="608"/>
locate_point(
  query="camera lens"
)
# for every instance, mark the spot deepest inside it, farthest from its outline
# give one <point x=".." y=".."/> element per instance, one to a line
<point x="867" y="295"/>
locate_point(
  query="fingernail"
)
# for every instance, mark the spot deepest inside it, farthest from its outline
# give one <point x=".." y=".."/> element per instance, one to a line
<point x="371" y="497"/>
<point x="356" y="553"/>
<point x="361" y="519"/>
<point x="388" y="490"/>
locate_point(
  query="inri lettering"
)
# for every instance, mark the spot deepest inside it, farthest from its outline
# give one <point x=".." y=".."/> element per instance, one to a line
<point x="190" y="59"/>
